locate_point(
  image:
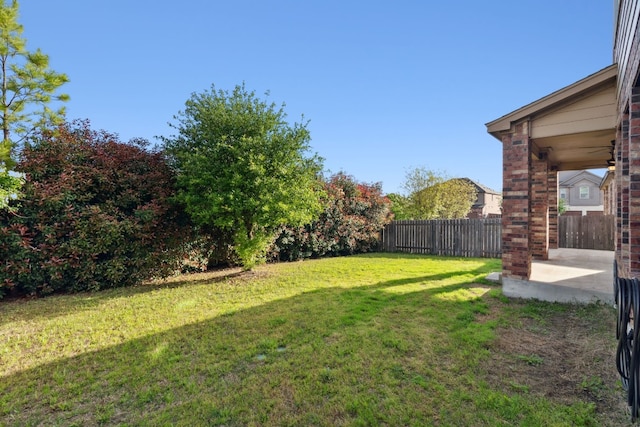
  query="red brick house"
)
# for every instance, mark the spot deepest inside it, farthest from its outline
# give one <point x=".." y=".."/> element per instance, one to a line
<point x="569" y="130"/>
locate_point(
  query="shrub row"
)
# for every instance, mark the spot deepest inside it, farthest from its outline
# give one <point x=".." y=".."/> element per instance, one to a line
<point x="96" y="213"/>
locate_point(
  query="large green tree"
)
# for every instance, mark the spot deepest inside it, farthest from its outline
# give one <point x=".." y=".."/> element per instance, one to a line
<point x="243" y="168"/>
<point x="432" y="195"/>
<point x="27" y="87"/>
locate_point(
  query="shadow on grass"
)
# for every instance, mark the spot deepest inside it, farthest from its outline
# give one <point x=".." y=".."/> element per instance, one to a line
<point x="72" y="303"/>
<point x="325" y="357"/>
<point x="404" y="255"/>
<point x="429" y="278"/>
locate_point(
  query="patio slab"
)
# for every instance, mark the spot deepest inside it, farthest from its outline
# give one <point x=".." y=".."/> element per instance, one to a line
<point x="570" y="275"/>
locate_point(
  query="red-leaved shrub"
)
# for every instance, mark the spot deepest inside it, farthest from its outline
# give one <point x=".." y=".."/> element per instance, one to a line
<point x="353" y="217"/>
<point x="94" y="213"/>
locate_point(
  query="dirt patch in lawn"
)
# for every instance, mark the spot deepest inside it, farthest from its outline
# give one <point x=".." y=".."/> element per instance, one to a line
<point x="565" y="353"/>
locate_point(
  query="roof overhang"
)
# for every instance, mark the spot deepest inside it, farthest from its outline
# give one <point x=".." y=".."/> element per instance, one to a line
<point x="572" y="127"/>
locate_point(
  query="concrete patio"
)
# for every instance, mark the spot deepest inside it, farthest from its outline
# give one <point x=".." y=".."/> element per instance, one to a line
<point x="570" y="275"/>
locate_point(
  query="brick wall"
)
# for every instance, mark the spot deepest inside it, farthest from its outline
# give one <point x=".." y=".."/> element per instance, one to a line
<point x="627" y="173"/>
<point x="622" y="196"/>
<point x="634" y="183"/>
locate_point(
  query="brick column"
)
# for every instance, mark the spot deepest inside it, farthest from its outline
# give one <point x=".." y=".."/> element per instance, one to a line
<point x="634" y="184"/>
<point x="552" y="180"/>
<point x="539" y="210"/>
<point x="516" y="155"/>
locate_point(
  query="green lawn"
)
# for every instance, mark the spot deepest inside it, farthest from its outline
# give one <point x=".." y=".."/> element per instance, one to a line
<point x="380" y="339"/>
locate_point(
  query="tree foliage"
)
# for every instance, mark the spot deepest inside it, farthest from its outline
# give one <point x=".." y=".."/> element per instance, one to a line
<point x="243" y="169"/>
<point x="94" y="213"/>
<point x="435" y="196"/>
<point x="399" y="206"/>
<point x="27" y="87"/>
<point x="353" y="216"/>
<point x="562" y="206"/>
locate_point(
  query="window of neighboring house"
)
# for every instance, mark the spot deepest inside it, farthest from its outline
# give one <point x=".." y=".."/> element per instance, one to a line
<point x="584" y="192"/>
<point x="563" y="193"/>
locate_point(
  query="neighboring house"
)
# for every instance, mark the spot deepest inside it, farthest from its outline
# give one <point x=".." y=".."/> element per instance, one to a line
<point x="581" y="192"/>
<point x="488" y="203"/>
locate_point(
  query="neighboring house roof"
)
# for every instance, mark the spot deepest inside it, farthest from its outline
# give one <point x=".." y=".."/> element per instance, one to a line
<point x="479" y="187"/>
<point x="570" y="178"/>
<point x="480" y="202"/>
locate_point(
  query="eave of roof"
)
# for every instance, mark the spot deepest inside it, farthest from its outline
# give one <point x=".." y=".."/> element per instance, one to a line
<point x="594" y="80"/>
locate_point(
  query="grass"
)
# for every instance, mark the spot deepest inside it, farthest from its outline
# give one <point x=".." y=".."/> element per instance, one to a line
<point x="379" y="339"/>
<point x="532" y="359"/>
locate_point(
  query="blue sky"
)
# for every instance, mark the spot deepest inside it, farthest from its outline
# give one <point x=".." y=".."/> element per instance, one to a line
<point x="387" y="86"/>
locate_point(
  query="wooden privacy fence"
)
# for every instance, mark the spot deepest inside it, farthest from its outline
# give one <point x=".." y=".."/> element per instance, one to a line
<point x="482" y="237"/>
<point x="451" y="237"/>
<point x="587" y="232"/>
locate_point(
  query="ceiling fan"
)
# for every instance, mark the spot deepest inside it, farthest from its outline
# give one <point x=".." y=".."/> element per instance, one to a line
<point x="612" y="160"/>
